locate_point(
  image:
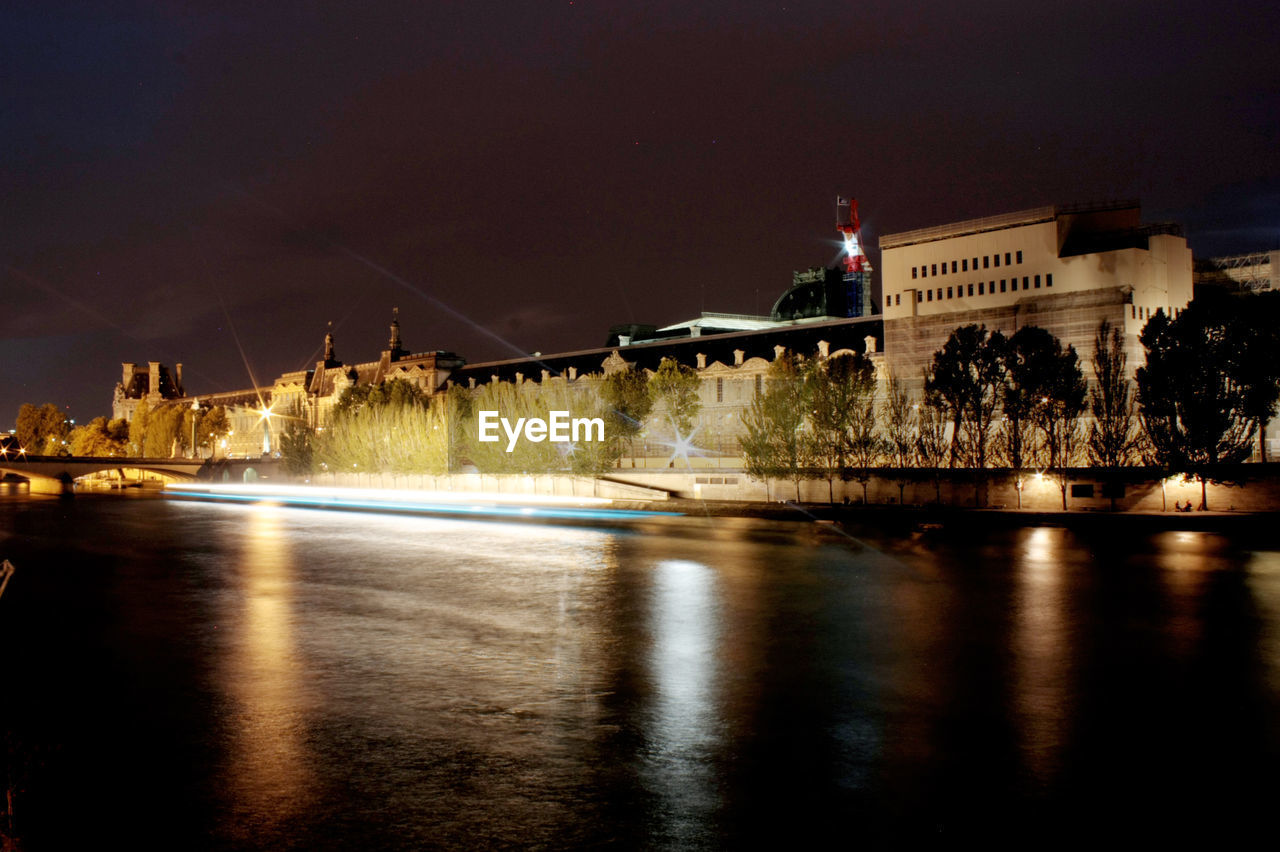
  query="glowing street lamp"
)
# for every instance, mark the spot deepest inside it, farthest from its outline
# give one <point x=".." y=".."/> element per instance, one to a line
<point x="195" y="409"/>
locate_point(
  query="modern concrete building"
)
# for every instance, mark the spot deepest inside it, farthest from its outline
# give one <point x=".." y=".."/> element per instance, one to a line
<point x="1063" y="268"/>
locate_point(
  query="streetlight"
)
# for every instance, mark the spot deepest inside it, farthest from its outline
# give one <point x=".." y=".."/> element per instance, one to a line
<point x="195" y="410"/>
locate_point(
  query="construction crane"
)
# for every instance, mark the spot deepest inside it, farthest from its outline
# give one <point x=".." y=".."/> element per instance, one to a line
<point x="848" y="226"/>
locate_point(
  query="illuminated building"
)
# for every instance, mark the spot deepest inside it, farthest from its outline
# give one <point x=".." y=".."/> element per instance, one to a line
<point x="1064" y="268"/>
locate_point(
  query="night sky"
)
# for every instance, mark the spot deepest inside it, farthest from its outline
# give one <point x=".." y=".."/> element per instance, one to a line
<point x="213" y="183"/>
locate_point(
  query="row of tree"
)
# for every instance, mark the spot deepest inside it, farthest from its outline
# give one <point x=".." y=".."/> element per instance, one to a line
<point x="1209" y="385"/>
<point x="161" y="432"/>
<point x="395" y="428"/>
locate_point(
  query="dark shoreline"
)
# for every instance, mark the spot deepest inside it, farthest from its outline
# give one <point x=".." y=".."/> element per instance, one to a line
<point x="892" y="517"/>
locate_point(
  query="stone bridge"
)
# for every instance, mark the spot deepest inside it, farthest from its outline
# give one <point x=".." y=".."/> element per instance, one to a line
<point x="54" y="474"/>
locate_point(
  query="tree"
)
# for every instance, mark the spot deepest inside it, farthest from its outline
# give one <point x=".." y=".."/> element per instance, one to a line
<point x="42" y="430"/>
<point x="675" y="387"/>
<point x="842" y="426"/>
<point x="1258" y="370"/>
<point x="932" y="442"/>
<point x="212" y="428"/>
<point x="138" y="429"/>
<point x="1191" y="398"/>
<point x="297" y="448"/>
<point x="100" y="438"/>
<point x="967" y="373"/>
<point x="900" y="428"/>
<point x="627" y="394"/>
<point x="1030" y="360"/>
<point x="163" y="425"/>
<point x="1059" y="413"/>
<point x="775" y="442"/>
<point x="1114" y="437"/>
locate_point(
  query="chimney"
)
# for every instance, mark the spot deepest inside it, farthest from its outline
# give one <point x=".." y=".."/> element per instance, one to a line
<point x="573" y="374"/>
<point x="127" y="374"/>
<point x="177" y="379"/>
<point x="869" y="342"/>
<point x="624" y="340"/>
<point x="702" y="361"/>
<point x="777" y="352"/>
<point x="738" y="355"/>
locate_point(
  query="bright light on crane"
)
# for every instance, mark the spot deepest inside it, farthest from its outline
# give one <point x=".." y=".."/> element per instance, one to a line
<point x="848" y="225"/>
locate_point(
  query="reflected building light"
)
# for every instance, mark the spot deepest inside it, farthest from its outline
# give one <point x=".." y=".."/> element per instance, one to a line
<point x="685" y="621"/>
<point x="271" y="768"/>
<point x="1042" y="653"/>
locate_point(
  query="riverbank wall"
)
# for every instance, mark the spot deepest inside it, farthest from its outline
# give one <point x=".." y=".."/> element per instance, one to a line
<point x="1249" y="488"/>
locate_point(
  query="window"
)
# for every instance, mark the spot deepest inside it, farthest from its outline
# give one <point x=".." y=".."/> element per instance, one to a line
<point x="924" y="272"/>
<point x="953" y="266"/>
<point x="1133" y="312"/>
<point x="1083" y="491"/>
<point x="1048" y="279"/>
<point x="1006" y="258"/>
<point x="914" y="271"/>
<point x="980" y="290"/>
<point x="1026" y="283"/>
<point x="934" y="270"/>
<point x="919" y="298"/>
<point x="986" y="261"/>
<point x="897" y="300"/>
<point x="997" y="261"/>
<point x="930" y="292"/>
<point x="1037" y="282"/>
<point x="759" y="384"/>
<point x="719" y="390"/>
<point x="1019" y="257"/>
<point x="970" y="289"/>
<point x="939" y="294"/>
<point x="948" y="292"/>
<point x="1001" y="285"/>
<point x="975" y="263"/>
<point x="964" y="265"/>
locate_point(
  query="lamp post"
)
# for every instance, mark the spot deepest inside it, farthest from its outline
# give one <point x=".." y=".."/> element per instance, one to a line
<point x="195" y="411"/>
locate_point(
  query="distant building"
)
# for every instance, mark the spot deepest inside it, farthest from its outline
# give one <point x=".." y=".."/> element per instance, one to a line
<point x="152" y="384"/>
<point x="1243" y="273"/>
<point x="1064" y="268"/>
<point x="258" y="415"/>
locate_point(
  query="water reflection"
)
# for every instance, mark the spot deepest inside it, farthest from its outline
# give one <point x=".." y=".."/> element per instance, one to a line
<point x="684" y="730"/>
<point x="268" y="769"/>
<point x="1043" y="648"/>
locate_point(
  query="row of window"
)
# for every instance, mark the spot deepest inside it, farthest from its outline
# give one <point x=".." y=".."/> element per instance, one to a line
<point x="984" y="288"/>
<point x="1136" y="312"/>
<point x="988" y="261"/>
<point x="720" y="387"/>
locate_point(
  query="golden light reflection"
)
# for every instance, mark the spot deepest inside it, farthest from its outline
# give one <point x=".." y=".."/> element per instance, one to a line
<point x="269" y="766"/>
<point x="1263" y="581"/>
<point x="685" y="729"/>
<point x="1042" y="645"/>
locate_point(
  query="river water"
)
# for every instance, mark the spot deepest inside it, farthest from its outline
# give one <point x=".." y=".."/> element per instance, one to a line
<point x="188" y="675"/>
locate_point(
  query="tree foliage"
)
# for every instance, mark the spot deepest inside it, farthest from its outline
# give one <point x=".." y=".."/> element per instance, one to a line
<point x="629" y="399"/>
<point x="674" y="387"/>
<point x="843" y="434"/>
<point x="1114" y="437"/>
<point x="100" y="438"/>
<point x="967" y="375"/>
<point x="1193" y="391"/>
<point x="775" y="443"/>
<point x="42" y="430"/>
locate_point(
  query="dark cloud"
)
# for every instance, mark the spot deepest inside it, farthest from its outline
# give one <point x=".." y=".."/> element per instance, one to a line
<point x="517" y="177"/>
